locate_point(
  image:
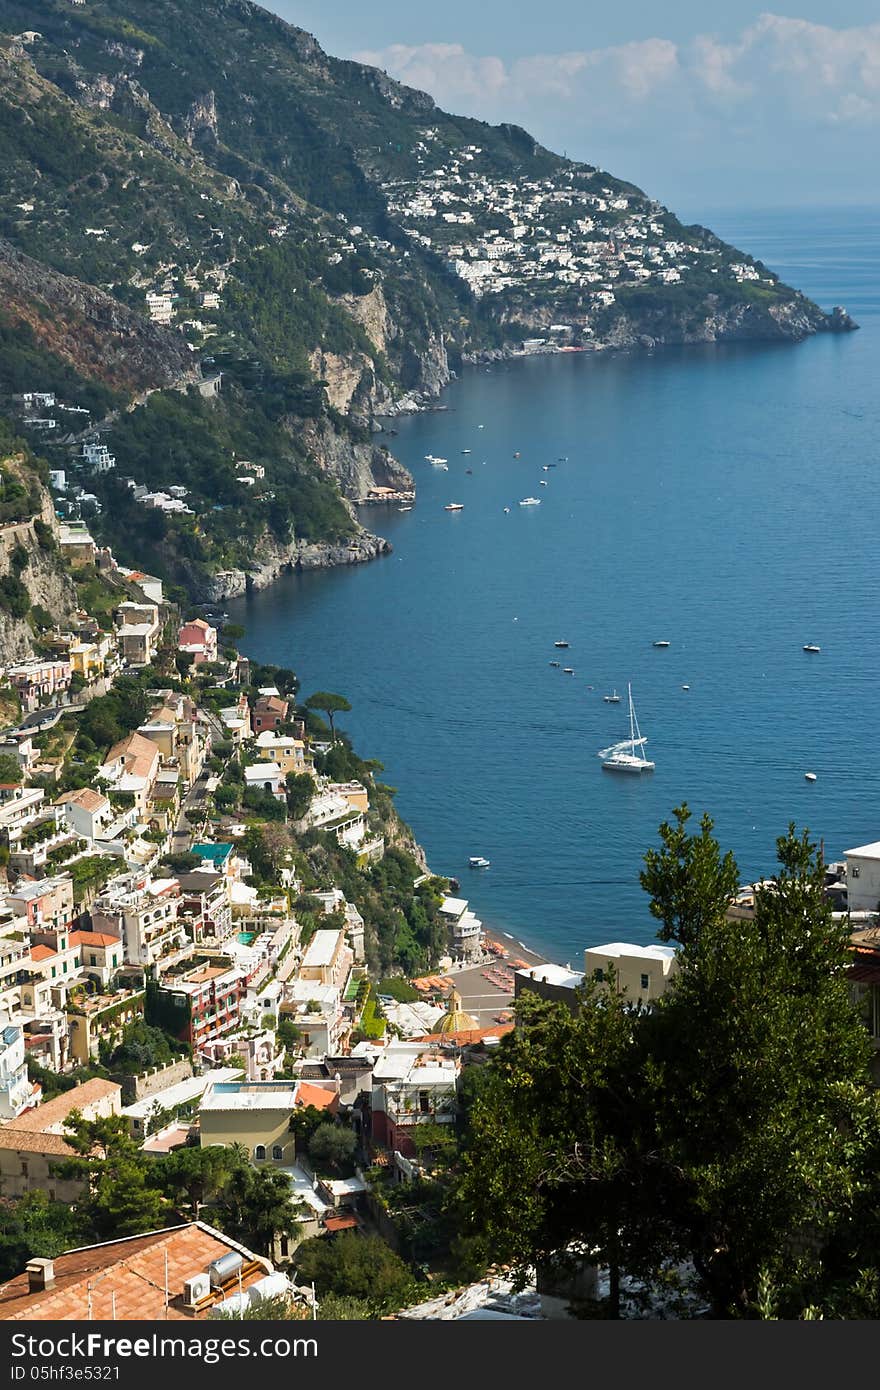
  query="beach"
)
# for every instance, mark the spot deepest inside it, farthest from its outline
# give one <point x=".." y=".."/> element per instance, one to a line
<point x="486" y="989"/>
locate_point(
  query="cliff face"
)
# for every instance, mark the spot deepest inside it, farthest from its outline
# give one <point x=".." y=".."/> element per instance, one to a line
<point x="43" y="576"/>
<point x="272" y="560"/>
<point x="302" y="220"/>
<point x="91" y="329"/>
<point x="356" y="467"/>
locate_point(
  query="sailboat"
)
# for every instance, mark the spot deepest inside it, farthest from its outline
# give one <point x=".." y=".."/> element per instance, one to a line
<point x="622" y="757"/>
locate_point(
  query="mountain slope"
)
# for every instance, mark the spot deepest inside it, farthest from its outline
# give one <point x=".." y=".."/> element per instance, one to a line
<point x="330" y="240"/>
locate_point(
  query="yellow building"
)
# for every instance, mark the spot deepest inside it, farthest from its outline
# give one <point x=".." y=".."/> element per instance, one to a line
<point x="642" y="973"/>
<point x="255" y="1114"/>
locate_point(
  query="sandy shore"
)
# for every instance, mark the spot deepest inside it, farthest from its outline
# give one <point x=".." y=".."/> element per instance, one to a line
<point x="487" y="989"/>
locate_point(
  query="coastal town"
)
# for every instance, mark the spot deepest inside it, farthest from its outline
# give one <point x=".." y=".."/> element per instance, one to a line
<point x="259" y="1059"/>
<point x="568" y="236"/>
<point x="182" y="953"/>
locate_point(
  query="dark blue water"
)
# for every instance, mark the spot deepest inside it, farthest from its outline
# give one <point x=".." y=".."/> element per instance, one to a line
<point x="722" y="498"/>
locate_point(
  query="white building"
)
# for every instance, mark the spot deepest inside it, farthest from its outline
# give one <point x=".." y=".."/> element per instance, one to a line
<point x="160" y="308"/>
<point x="465" y="929"/>
<point x="98" y="458"/>
<point x="863" y="878"/>
<point x="641" y="972"/>
<point x="16" y="1090"/>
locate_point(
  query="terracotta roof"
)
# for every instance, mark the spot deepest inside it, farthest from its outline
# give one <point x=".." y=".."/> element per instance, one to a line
<point x="33" y="1141"/>
<point x="88" y="799"/>
<point x="42" y="952"/>
<point x="270" y="704"/>
<point x="137" y="753"/>
<point x="340" y="1223"/>
<point x="93" y="938"/>
<point x="306" y="1094"/>
<point x="468" y="1035"/>
<point x="129" y="1273"/>
<point x="56" y="1111"/>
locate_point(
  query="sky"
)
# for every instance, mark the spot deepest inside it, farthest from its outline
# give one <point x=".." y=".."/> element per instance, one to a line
<point x="744" y="107"/>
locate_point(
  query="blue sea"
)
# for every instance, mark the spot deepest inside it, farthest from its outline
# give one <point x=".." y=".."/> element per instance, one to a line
<point x="722" y="498"/>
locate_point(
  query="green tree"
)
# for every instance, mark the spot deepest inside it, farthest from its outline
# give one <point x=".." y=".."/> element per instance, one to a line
<point x="554" y="1153"/>
<point x="140" y="1048"/>
<point x="763" y="1108"/>
<point x="122" y="1198"/>
<point x="355" y="1266"/>
<point x="332" y="1146"/>
<point x="300" y="790"/>
<point x="10" y="771"/>
<point x="689" y="882"/>
<point x="733" y="1124"/>
<point x="256" y="1205"/>
<point x="325" y="702"/>
<point x="36" y="1225"/>
<point x="197" y="1177"/>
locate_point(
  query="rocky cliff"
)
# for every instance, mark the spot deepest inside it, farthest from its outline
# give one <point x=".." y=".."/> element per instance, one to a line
<point x="91" y="329"/>
<point x="29" y="552"/>
<point x="272" y="560"/>
<point x="356" y="467"/>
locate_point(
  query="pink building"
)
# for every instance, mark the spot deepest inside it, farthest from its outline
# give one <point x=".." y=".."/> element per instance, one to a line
<point x="38" y="679"/>
<point x="199" y="639"/>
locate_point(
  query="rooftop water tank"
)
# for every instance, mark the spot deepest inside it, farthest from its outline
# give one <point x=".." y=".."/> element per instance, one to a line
<point x="224" y="1268"/>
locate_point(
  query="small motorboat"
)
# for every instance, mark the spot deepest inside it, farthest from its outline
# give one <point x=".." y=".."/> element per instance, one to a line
<point x="661" y="643"/>
<point x="478" y="861"/>
<point x="454" y="507"/>
<point x="612" y="699"/>
<point x="467" y="451"/>
<point x="530" y="502"/>
<point x="404" y="509"/>
<point x="506" y="510"/>
<point x="685" y="687"/>
<point x="543" y="482"/>
<point x="561" y="644"/>
<point x="517" y="454"/>
<point x="481" y="427"/>
<point x="810" y="776"/>
<point x="568" y="670"/>
<point x="468" y="470"/>
<point x="545" y="467"/>
<point x="563" y="458"/>
<point x="555" y="663"/>
<point x="811" y="647"/>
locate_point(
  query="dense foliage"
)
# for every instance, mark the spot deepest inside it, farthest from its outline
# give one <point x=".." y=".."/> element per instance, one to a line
<point x="732" y="1128"/>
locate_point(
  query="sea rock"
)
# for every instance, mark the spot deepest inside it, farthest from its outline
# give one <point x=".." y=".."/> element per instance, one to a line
<point x="273" y="560"/>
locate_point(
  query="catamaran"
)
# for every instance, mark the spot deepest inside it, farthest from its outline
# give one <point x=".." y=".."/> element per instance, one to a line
<point x="622" y="757"/>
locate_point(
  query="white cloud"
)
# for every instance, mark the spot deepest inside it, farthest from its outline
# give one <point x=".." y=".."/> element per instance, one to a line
<point x="801" y="66"/>
<point x="781" y="84"/>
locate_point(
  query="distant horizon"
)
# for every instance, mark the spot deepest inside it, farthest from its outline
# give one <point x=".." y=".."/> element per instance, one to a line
<point x="751" y="100"/>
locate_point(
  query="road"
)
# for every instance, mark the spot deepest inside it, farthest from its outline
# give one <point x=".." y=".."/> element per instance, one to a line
<point x="40" y="719"/>
<point x="195" y="800"/>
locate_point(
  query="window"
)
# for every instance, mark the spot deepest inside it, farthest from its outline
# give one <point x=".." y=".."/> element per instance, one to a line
<point x="854" y="870"/>
<point x="260" y="1151"/>
<point x="277" y="1152"/>
<point x="599" y="974"/>
<point x="645" y="982"/>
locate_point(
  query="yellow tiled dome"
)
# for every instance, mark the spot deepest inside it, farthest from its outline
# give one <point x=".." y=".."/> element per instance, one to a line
<point x="456" y="1020"/>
